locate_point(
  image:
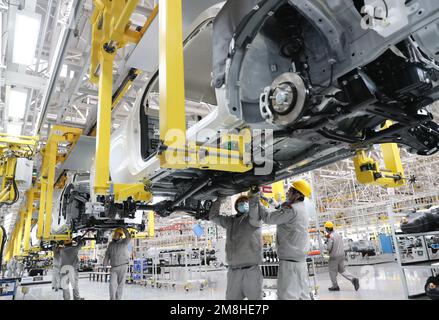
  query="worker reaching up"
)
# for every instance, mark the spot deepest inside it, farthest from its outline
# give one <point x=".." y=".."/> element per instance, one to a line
<point x="118" y="257"/>
<point x="69" y="268"/>
<point x="292" y="241"/>
<point x="335" y="247"/>
<point x="243" y="248"/>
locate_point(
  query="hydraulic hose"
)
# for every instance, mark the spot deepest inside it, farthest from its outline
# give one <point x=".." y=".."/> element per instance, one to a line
<point x="3" y="239"/>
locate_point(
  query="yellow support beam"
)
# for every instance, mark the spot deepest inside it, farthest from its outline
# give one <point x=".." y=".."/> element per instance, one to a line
<point x="102" y="162"/>
<point x="171" y="82"/>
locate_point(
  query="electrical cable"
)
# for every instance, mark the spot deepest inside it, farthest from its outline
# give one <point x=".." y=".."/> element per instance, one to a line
<point x="16" y="195"/>
<point x="2" y="246"/>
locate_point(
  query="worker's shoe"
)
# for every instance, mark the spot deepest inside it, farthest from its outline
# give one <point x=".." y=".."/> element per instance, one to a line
<point x="337" y="288"/>
<point x="356" y="283"/>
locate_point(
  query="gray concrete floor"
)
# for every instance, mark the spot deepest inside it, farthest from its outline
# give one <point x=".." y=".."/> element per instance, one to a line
<point x="379" y="282"/>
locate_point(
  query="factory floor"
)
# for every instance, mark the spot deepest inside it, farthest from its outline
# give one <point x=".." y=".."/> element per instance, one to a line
<point x="378" y="282"/>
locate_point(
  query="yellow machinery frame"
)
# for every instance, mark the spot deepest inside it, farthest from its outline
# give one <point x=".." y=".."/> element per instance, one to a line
<point x="52" y="157"/>
<point x="176" y="152"/>
<point x="12" y="148"/>
<point x="368" y="171"/>
<point x="111" y="31"/>
<point x="136" y="72"/>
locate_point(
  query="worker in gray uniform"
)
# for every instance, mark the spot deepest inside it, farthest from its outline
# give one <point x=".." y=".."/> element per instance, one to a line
<point x="335" y="247"/>
<point x="292" y="242"/>
<point x="56" y="264"/>
<point x="118" y="257"/>
<point x="243" y="248"/>
<point x="69" y="268"/>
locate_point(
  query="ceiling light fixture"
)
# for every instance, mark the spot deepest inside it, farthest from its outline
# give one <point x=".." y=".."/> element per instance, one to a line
<point x="26" y="33"/>
<point x="17" y="102"/>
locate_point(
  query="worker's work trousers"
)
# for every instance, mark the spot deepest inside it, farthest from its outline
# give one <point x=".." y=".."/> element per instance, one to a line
<point x="293" y="281"/>
<point x="67" y="279"/>
<point x="56" y="277"/>
<point x="244" y="283"/>
<point x="117" y="281"/>
<point x="336" y="266"/>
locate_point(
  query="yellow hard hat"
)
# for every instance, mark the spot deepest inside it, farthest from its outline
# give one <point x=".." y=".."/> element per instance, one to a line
<point x="329" y="225"/>
<point x="303" y="187"/>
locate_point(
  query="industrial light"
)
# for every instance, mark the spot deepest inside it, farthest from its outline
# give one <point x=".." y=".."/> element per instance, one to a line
<point x="17" y="102"/>
<point x="27" y="30"/>
<point x="63" y="73"/>
<point x="14" y="128"/>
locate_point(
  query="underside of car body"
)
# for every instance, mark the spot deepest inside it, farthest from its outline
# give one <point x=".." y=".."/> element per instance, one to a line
<point x="312" y="74"/>
<point x="79" y="211"/>
<point x="319" y="78"/>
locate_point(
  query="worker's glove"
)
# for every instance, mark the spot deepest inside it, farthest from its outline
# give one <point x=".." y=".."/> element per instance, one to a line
<point x="253" y="191"/>
<point x="270" y="201"/>
<point x="204" y="210"/>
